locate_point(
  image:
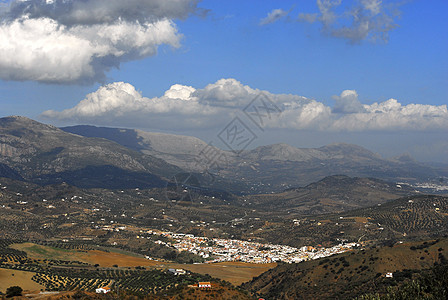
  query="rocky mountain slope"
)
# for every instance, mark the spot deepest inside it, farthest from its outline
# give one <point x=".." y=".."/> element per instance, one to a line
<point x="45" y="154"/>
<point x="178" y="150"/>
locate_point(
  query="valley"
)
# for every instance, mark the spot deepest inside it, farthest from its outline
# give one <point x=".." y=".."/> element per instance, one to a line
<point x="223" y="150"/>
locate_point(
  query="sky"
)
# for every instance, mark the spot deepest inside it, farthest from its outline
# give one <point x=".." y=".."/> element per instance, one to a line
<point x="306" y="73"/>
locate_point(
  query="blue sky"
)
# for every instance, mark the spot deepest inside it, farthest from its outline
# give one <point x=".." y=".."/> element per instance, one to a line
<point x="229" y="40"/>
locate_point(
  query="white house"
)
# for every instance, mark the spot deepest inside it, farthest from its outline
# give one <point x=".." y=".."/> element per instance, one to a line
<point x="103" y="290"/>
<point x="204" y="285"/>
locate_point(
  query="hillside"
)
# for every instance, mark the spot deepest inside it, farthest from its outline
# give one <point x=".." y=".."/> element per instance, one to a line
<point x="333" y="194"/>
<point x="45" y="154"/>
<point x="408" y="218"/>
<point x="348" y="275"/>
<point x="428" y="284"/>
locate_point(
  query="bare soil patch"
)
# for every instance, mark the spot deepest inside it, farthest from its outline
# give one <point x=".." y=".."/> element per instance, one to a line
<point x="21" y="278"/>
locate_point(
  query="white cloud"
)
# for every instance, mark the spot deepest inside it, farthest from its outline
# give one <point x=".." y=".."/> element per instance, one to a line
<point x="67" y="41"/>
<point x="348" y="102"/>
<point x="43" y="50"/>
<point x="226" y="92"/>
<point x="120" y="104"/>
<point x="273" y="16"/>
<point x="391" y="115"/>
<point x="303" y="114"/>
<point x="179" y="91"/>
<point x="366" y="20"/>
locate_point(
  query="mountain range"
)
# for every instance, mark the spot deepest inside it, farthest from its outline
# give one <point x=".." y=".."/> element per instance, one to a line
<point x="89" y="156"/>
<point x="266" y="169"/>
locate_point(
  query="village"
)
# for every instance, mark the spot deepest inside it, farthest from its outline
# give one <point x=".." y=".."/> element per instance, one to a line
<point x="215" y="250"/>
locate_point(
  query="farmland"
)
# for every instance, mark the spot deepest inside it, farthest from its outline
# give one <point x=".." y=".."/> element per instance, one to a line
<point x="93" y="257"/>
<point x="53" y="268"/>
<point x="234" y="272"/>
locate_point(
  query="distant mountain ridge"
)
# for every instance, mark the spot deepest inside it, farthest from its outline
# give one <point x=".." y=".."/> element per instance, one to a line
<point x="163" y="143"/>
<point x="270" y="168"/>
<point x="285" y="152"/>
<point x="176" y="149"/>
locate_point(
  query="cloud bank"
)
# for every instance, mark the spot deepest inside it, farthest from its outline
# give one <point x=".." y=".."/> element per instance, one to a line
<point x="120" y="104"/>
<point x="364" y="20"/>
<point x="68" y="41"/>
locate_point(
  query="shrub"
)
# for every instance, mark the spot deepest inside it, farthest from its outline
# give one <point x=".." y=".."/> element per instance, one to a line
<point x="13" y="291"/>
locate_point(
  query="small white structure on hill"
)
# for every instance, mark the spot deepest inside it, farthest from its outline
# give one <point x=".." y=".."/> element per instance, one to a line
<point x="177" y="271"/>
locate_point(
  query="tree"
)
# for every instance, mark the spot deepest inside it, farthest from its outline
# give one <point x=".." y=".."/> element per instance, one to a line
<point x="14" y="291"/>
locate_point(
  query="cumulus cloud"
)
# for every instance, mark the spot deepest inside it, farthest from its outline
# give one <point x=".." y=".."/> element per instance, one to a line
<point x="273" y="16"/>
<point x="348" y="102"/>
<point x="226" y="93"/>
<point x="68" y="41"/>
<point x="365" y="20"/>
<point x="392" y="115"/>
<point x="120" y="104"/>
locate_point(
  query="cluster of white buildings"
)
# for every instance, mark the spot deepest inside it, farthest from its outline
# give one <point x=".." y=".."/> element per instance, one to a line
<point x="224" y="250"/>
<point x="432" y="186"/>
